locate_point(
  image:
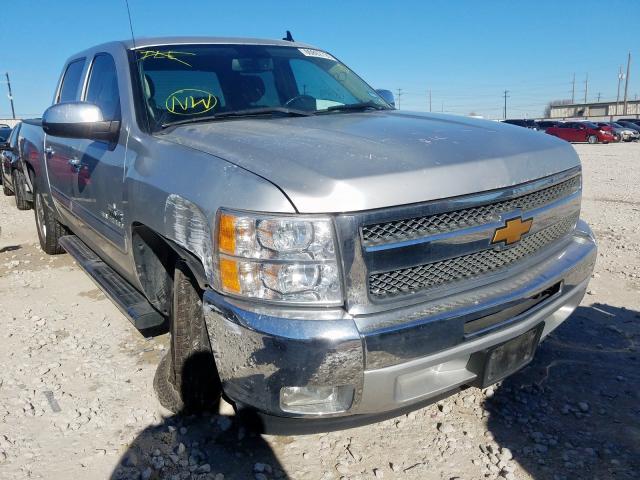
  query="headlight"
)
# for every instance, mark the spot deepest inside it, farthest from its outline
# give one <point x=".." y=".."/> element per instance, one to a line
<point x="280" y="259"/>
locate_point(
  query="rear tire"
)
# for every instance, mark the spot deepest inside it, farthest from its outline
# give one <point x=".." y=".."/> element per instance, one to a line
<point x="187" y="379"/>
<point x="592" y="139"/>
<point x="49" y="229"/>
<point x="19" y="183"/>
<point x="6" y="190"/>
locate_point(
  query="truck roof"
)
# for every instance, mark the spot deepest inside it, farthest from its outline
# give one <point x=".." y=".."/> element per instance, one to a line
<point x="169" y="40"/>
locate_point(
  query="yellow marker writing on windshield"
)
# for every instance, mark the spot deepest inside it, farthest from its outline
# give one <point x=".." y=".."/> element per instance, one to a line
<point x="190" y="101"/>
<point x="169" y="55"/>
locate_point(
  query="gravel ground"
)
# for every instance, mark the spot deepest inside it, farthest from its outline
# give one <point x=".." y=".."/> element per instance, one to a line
<point x="76" y="396"/>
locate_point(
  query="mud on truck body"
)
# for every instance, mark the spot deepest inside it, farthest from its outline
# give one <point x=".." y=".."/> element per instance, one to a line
<point x="321" y="259"/>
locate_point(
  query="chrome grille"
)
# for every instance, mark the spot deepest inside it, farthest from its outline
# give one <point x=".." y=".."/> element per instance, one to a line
<point x="410" y="228"/>
<point x="463" y="267"/>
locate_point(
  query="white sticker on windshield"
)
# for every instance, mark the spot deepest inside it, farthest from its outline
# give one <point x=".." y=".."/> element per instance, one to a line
<point x="309" y="52"/>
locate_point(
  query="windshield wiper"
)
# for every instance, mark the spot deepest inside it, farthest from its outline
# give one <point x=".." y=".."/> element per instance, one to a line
<point x="240" y="113"/>
<point x="356" y="106"/>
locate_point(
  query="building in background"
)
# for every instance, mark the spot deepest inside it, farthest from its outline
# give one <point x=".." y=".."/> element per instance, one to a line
<point x="595" y="111"/>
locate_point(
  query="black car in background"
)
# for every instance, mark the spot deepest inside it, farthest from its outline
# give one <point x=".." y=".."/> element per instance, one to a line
<point x="544" y="124"/>
<point x="522" y="123"/>
<point x="12" y="171"/>
<point x="5" y="131"/>
<point x="632" y="123"/>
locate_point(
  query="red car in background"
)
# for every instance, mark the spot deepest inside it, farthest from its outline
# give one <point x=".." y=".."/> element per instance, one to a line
<point x="582" y="132"/>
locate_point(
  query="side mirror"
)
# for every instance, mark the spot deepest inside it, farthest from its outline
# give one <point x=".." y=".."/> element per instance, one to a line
<point x="79" y="120"/>
<point x="387" y="96"/>
<point x="4" y="145"/>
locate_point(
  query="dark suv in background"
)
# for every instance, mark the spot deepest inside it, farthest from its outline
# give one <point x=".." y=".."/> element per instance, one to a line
<point x="523" y="123"/>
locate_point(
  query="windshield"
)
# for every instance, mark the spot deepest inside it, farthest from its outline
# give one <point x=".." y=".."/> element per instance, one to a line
<point x="183" y="82"/>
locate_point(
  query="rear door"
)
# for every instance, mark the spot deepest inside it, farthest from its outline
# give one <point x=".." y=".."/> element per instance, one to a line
<point x="61" y="153"/>
<point x="98" y="193"/>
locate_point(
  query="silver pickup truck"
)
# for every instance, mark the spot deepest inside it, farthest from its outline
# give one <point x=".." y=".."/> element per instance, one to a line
<point x="320" y="258"/>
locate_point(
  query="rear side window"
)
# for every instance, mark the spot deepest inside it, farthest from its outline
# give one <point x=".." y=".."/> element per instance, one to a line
<point x="103" y="86"/>
<point x="71" y="81"/>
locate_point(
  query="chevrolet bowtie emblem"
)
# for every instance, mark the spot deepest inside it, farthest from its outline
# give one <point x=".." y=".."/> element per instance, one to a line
<point x="513" y="231"/>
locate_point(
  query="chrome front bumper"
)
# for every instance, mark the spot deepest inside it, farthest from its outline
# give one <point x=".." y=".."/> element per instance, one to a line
<point x="394" y="360"/>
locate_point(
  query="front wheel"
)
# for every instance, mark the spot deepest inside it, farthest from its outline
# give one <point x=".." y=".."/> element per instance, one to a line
<point x="187" y="379"/>
<point x="592" y="139"/>
<point x="50" y="230"/>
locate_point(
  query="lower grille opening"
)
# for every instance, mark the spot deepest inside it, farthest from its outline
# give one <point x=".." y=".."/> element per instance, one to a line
<point x="479" y="325"/>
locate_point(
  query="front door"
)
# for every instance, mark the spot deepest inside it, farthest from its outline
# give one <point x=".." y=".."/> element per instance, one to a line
<point x="98" y="189"/>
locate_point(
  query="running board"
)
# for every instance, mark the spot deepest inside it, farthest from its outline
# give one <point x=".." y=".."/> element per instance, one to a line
<point x="129" y="300"/>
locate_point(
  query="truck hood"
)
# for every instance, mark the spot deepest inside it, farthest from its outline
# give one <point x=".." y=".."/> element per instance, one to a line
<point x="344" y="162"/>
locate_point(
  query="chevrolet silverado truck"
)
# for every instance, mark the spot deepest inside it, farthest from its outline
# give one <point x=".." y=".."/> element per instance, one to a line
<point x="319" y="258"/>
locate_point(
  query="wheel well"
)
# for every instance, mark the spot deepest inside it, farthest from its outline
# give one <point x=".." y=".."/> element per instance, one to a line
<point x="154" y="261"/>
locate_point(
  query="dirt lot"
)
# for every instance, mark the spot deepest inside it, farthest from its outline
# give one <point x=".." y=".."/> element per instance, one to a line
<point x="76" y="396"/>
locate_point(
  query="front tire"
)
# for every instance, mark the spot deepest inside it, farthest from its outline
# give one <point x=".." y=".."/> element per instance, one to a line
<point x="19" y="183"/>
<point x="592" y="139"/>
<point x="50" y="230"/>
<point x="187" y="379"/>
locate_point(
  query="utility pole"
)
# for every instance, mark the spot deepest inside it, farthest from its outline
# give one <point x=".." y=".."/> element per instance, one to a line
<point x="429" y="100"/>
<point x="598" y="96"/>
<point x="442" y="109"/>
<point x="13" y="112"/>
<point x="573" y="89"/>
<point x="399" y="97"/>
<point x="586" y="88"/>
<point x="620" y="77"/>
<point x="626" y="84"/>
<point x="505" y="103"/>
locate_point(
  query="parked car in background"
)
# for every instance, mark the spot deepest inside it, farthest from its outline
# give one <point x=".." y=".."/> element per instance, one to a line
<point x="5" y="131"/>
<point x="522" y="123"/>
<point x="582" y="132"/>
<point x="12" y="170"/>
<point x="544" y="124"/>
<point x="625" y="134"/>
<point x="635" y="121"/>
<point x="631" y="125"/>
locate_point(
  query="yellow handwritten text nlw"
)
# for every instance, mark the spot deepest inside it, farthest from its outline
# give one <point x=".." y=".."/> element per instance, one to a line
<point x="190" y="101"/>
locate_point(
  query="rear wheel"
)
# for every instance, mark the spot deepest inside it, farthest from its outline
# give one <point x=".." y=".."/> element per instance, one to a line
<point x="49" y="229"/>
<point x="6" y="190"/>
<point x="592" y="139"/>
<point x="19" y="183"/>
<point x="187" y="379"/>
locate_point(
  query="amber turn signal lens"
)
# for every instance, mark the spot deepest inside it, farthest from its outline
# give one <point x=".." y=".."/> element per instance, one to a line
<point x="227" y="234"/>
<point x="229" y="275"/>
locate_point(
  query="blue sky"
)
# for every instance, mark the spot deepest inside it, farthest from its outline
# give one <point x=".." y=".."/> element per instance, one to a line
<point x="466" y="52"/>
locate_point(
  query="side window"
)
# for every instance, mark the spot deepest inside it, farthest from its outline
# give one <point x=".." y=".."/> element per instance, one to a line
<point x="103" y="86"/>
<point x="71" y="82"/>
